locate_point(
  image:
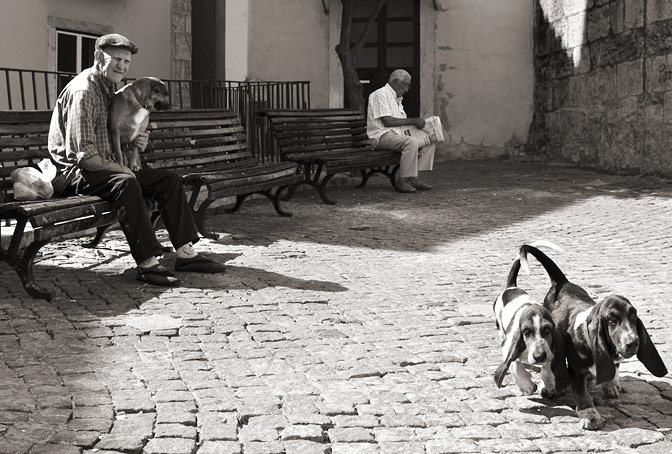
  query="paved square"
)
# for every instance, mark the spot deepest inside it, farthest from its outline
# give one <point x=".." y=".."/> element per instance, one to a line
<point x="364" y="327"/>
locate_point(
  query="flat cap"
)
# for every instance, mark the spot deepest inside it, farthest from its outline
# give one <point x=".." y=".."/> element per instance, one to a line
<point x="115" y="40"/>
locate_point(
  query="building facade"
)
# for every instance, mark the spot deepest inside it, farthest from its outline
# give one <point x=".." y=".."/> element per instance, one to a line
<point x="573" y="79"/>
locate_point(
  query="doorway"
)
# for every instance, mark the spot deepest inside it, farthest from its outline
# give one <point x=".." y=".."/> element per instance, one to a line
<point x="393" y="42"/>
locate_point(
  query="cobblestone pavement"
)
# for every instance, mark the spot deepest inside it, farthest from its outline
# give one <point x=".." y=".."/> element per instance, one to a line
<point x="360" y="328"/>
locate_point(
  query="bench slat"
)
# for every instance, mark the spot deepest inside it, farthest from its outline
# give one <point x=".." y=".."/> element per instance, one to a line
<point x="35" y="207"/>
<point x="68" y="214"/>
<point x="254" y="173"/>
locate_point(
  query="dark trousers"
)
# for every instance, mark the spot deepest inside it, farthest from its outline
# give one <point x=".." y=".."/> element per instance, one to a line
<point x="127" y="195"/>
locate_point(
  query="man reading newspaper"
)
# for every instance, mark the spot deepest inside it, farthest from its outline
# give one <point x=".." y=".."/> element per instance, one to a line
<point x="388" y="124"/>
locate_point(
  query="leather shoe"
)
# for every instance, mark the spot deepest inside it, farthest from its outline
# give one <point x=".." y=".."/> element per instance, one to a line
<point x="157" y="275"/>
<point x="417" y="183"/>
<point x="198" y="264"/>
<point x="403" y="185"/>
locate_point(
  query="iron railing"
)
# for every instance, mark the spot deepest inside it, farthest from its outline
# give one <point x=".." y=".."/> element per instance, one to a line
<point x="27" y="89"/>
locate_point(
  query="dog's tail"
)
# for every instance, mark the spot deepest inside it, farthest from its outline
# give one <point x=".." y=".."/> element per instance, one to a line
<point x="512" y="280"/>
<point x="554" y="273"/>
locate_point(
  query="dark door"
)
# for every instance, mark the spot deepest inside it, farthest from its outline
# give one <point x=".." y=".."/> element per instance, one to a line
<point x="393" y="42"/>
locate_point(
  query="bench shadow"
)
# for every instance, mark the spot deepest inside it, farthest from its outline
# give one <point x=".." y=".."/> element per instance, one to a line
<point x="118" y="293"/>
<point x="644" y="404"/>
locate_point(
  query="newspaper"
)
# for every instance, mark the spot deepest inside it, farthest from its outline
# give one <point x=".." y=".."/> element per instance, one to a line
<point x="432" y="133"/>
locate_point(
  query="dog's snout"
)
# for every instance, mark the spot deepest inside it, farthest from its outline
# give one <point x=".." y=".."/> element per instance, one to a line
<point x="632" y="344"/>
<point x="539" y="357"/>
<point x="162" y="105"/>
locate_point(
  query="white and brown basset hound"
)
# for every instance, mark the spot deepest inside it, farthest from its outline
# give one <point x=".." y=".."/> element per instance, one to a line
<point x="528" y="337"/>
<point x="599" y="336"/>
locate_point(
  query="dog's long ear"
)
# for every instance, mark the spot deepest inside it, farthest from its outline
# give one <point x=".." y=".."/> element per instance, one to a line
<point x="602" y="347"/>
<point x="517" y="347"/>
<point x="647" y="352"/>
<point x="559" y="363"/>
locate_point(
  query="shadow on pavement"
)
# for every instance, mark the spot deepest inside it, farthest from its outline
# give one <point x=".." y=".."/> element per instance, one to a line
<point x="469" y="198"/>
<point x="643" y="405"/>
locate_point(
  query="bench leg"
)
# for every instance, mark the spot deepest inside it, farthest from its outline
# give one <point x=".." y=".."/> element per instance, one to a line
<point x="24" y="268"/>
<point x="200" y="221"/>
<point x="323" y="190"/>
<point x="100" y="233"/>
<point x="239" y="203"/>
<point x="391" y="175"/>
<point x="275" y="199"/>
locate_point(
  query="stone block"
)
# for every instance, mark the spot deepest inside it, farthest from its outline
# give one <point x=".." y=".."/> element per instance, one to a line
<point x="654" y="113"/>
<point x="574" y="7"/>
<point x="560" y="93"/>
<point x="602" y="85"/>
<point x="635" y="77"/>
<point x="576" y="30"/>
<point x="622" y="80"/>
<point x="634" y="14"/>
<point x="659" y="38"/>
<point x="219" y="447"/>
<point x="581" y="59"/>
<point x="658" y="10"/>
<point x="169" y="446"/>
<point x="658" y="75"/>
<point x="598" y="23"/>
<point x="667" y="107"/>
<point x="617" y="16"/>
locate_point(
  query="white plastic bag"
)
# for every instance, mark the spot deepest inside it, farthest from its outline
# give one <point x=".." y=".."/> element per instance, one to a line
<point x="30" y="183"/>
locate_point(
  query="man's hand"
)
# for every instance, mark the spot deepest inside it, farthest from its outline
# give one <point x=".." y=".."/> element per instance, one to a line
<point x="141" y="141"/>
<point x="419" y="123"/>
<point x="96" y="162"/>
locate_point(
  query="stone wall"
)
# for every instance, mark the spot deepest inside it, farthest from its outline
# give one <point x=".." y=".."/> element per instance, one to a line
<point x="603" y="91"/>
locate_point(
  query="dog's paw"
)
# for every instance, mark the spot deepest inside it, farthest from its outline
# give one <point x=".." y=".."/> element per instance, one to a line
<point x="612" y="390"/>
<point x="527" y="387"/>
<point x="551" y="393"/>
<point x="590" y="419"/>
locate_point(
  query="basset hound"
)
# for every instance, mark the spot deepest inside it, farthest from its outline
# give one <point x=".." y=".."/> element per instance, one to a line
<point x="598" y="337"/>
<point x="529" y="337"/>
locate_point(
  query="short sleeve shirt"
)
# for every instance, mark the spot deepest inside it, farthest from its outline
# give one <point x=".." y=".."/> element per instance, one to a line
<point x="78" y="127"/>
<point x="383" y="103"/>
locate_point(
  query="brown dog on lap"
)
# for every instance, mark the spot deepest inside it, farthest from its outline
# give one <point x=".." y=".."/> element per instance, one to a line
<point x="129" y="114"/>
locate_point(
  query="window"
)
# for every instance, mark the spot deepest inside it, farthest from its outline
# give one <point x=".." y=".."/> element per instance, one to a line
<point x="74" y="52"/>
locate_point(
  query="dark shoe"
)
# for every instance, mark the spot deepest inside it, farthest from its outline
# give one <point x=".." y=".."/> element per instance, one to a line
<point x="419" y="184"/>
<point x="198" y="264"/>
<point x="157" y="275"/>
<point x="403" y="185"/>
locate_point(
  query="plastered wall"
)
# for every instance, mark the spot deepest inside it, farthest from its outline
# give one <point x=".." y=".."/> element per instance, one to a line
<point x="25" y="26"/>
<point x="484" y="75"/>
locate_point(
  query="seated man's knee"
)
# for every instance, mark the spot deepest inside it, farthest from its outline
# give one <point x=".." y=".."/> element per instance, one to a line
<point x="411" y="144"/>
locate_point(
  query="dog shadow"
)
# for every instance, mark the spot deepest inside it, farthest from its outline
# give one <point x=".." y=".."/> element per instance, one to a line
<point x="643" y="404"/>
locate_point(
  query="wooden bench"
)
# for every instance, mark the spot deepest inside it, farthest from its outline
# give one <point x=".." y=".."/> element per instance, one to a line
<point x="208" y="148"/>
<point x="324" y="142"/>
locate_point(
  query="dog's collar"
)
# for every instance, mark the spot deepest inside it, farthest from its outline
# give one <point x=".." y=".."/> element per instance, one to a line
<point x="137" y="98"/>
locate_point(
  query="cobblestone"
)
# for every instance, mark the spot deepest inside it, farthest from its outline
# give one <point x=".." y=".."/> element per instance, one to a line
<point x="364" y="327"/>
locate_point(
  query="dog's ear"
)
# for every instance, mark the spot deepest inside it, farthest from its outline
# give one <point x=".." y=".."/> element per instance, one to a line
<point x="647" y="352"/>
<point x="559" y="363"/>
<point x="602" y="347"/>
<point x="517" y="347"/>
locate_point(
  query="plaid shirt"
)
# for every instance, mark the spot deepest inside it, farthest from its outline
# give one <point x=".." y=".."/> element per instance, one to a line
<point x="383" y="103"/>
<point x="78" y="127"/>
